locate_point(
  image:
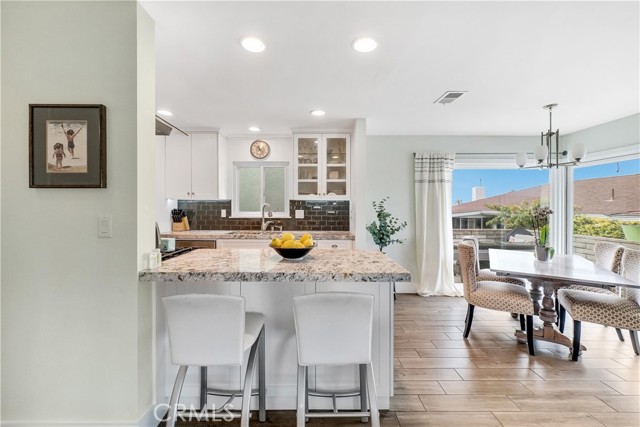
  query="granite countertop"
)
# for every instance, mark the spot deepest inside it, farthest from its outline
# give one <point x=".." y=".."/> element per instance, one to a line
<point x="255" y="235"/>
<point x="265" y="265"/>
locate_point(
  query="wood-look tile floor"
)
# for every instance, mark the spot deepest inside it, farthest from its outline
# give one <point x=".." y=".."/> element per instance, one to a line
<point x="489" y="379"/>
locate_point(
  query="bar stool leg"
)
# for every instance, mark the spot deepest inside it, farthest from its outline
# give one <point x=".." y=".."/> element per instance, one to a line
<point x="175" y="396"/>
<point x="373" y="397"/>
<point x="363" y="391"/>
<point x="246" y="392"/>
<point x="262" y="387"/>
<point x="301" y="410"/>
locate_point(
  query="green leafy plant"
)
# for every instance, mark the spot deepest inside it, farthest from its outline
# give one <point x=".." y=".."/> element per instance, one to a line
<point x="512" y="216"/>
<point x="386" y="226"/>
<point x="599" y="227"/>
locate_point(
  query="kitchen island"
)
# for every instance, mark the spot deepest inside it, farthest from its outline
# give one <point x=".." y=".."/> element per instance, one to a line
<point x="268" y="283"/>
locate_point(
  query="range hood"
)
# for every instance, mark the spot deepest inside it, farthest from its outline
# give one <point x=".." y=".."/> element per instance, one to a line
<point x="164" y="128"/>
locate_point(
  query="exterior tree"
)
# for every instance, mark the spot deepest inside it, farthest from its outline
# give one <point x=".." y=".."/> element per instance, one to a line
<point x="512" y="216"/>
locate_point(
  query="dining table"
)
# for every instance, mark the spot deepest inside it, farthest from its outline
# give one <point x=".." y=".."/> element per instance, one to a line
<point x="548" y="276"/>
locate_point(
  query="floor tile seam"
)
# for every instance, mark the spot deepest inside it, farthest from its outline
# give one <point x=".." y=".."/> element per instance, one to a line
<point x="614" y="409"/>
<point x="545" y="413"/>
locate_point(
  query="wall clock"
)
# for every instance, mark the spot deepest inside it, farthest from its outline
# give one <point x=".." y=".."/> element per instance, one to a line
<point x="260" y="149"/>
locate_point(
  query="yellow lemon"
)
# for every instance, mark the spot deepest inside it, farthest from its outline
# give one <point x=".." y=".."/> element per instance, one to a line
<point x="287" y="236"/>
<point x="288" y="244"/>
<point x="308" y="242"/>
<point x="298" y="245"/>
<point x="276" y="243"/>
<point x="305" y="237"/>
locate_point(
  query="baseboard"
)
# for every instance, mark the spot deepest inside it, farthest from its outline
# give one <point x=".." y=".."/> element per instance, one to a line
<point x="405" y="288"/>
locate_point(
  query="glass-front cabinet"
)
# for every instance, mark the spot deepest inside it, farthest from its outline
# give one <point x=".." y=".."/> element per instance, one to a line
<point x="322" y="166"/>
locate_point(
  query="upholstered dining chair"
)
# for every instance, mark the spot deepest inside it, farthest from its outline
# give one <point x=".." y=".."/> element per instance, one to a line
<point x="491" y="294"/>
<point x="483" y="274"/>
<point x="621" y="312"/>
<point x="608" y="255"/>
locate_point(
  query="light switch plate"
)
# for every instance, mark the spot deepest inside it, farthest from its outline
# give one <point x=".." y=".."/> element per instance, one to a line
<point x="223" y="213"/>
<point x="105" y="229"/>
<point x="299" y="213"/>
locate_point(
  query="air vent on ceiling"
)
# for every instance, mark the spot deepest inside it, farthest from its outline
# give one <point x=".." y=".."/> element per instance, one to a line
<point x="449" y="96"/>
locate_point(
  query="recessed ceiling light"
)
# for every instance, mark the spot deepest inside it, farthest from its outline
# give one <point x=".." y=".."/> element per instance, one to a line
<point x="165" y="113"/>
<point x="253" y="44"/>
<point x="254" y="129"/>
<point x="317" y="113"/>
<point x="365" y="44"/>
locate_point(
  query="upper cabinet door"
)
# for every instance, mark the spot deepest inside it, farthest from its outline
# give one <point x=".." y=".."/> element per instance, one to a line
<point x="204" y="166"/>
<point x="307" y="179"/>
<point x="322" y="166"/>
<point x="336" y="166"/>
<point x="178" y="167"/>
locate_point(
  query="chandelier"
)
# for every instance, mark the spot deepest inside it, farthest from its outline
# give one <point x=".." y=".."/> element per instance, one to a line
<point x="548" y="149"/>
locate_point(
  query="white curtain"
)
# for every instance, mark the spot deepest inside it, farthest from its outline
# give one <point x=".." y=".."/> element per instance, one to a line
<point x="434" y="233"/>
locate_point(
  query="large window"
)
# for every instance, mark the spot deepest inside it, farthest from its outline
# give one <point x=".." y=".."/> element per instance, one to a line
<point x="606" y="204"/>
<point x="493" y="206"/>
<point x="257" y="184"/>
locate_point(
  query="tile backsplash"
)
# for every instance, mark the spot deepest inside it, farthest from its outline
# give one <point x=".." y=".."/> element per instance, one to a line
<point x="321" y="215"/>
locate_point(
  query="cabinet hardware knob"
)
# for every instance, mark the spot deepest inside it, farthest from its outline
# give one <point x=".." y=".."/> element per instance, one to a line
<point x="334" y="246"/>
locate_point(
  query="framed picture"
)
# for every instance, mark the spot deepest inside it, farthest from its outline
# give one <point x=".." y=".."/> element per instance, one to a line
<point x="67" y="146"/>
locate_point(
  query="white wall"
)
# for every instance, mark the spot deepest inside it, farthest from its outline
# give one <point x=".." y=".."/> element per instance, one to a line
<point x="390" y="173"/>
<point x="237" y="150"/>
<point x="74" y="316"/>
<point x="624" y="132"/>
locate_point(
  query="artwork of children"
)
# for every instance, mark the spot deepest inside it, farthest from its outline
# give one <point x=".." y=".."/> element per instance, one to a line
<point x="72" y="135"/>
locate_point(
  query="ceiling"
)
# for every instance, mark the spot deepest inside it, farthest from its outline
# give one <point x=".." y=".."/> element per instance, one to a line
<point x="511" y="57"/>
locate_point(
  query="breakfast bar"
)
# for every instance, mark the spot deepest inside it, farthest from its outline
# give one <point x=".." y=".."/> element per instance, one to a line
<point x="268" y="283"/>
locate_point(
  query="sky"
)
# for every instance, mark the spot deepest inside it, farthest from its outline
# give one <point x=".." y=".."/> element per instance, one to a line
<point x="502" y="181"/>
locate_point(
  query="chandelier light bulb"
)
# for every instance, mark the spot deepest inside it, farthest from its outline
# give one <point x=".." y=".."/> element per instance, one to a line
<point x="521" y="159"/>
<point x="578" y="151"/>
<point x="541" y="153"/>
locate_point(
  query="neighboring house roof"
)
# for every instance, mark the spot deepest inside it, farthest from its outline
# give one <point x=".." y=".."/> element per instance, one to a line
<point x="591" y="197"/>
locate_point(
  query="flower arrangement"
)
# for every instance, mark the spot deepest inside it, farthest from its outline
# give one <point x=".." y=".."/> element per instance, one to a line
<point x="386" y="227"/>
<point x="540" y="221"/>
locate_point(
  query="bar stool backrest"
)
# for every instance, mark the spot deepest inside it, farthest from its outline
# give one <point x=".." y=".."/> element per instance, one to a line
<point x="205" y="330"/>
<point x="333" y="328"/>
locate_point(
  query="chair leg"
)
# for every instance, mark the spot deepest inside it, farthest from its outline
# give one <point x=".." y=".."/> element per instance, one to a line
<point x="246" y="391"/>
<point x="175" y="396"/>
<point x="576" y="340"/>
<point x="557" y="310"/>
<point x="562" y="314"/>
<point x="301" y="409"/>
<point x="363" y="391"/>
<point x="467" y="327"/>
<point x="522" y="325"/>
<point x="530" y="335"/>
<point x="634" y="342"/>
<point x="620" y="336"/>
<point x="306" y="393"/>
<point x="262" y="384"/>
<point x="373" y="397"/>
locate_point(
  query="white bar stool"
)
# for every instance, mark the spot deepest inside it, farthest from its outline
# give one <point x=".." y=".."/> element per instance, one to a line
<point x="335" y="328"/>
<point x="208" y="330"/>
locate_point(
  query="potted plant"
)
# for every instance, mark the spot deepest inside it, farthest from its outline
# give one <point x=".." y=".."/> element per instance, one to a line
<point x="386" y="226"/>
<point x="540" y="222"/>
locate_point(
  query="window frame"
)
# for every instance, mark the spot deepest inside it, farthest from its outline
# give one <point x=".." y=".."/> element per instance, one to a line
<point x="235" y="205"/>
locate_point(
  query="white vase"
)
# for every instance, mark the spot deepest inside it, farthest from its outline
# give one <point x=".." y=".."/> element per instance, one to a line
<point x="543" y="253"/>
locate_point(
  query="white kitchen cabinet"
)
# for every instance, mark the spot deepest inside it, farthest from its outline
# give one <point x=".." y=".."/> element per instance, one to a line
<point x="322" y="166"/>
<point x="191" y="167"/>
<point x="334" y="244"/>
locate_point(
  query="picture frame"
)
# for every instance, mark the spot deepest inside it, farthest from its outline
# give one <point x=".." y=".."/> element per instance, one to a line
<point x="67" y="146"/>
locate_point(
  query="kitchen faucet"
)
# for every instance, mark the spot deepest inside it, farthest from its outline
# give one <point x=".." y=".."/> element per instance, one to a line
<point x="266" y="224"/>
